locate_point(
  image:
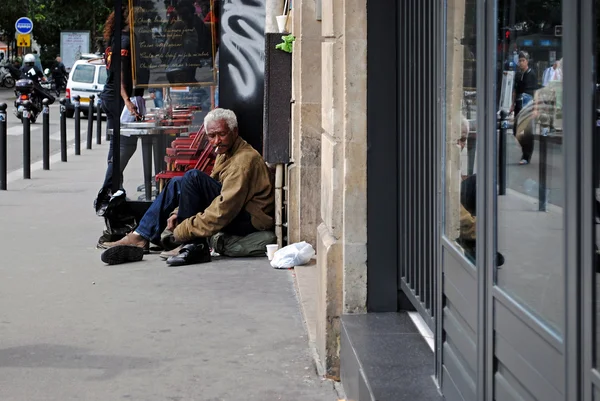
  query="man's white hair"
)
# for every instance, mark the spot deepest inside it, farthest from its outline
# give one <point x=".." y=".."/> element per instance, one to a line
<point x="221" y="114"/>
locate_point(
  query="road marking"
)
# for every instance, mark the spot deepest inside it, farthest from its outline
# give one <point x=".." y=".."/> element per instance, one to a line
<point x="16" y="175"/>
<point x="17" y="130"/>
<point x="70" y="135"/>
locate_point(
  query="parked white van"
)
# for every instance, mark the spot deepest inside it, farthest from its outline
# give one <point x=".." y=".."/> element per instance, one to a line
<point x="87" y="77"/>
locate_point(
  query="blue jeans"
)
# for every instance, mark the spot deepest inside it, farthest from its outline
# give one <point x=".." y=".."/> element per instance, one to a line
<point x="193" y="193"/>
<point x="523" y="100"/>
<point x="158" y="100"/>
<point x="127" y="147"/>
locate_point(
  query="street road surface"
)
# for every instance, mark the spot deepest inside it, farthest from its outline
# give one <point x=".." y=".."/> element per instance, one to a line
<point x="15" y="132"/>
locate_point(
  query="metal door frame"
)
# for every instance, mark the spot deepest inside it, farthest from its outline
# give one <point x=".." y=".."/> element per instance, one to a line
<point x="583" y="379"/>
<point x="578" y="114"/>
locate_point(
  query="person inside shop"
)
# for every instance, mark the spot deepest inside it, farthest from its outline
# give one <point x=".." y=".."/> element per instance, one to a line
<point x="237" y="199"/>
<point x="189" y="45"/>
<point x="523" y="94"/>
<point x="123" y="96"/>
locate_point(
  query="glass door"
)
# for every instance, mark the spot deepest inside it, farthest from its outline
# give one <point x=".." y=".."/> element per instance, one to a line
<point x="528" y="276"/>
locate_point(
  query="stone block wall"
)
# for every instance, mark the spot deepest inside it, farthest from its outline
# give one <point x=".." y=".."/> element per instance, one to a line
<point x="304" y="172"/>
<point x="327" y="179"/>
<point x="342" y="233"/>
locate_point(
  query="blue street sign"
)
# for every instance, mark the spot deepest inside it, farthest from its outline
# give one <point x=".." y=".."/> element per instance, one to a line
<point x="24" y="25"/>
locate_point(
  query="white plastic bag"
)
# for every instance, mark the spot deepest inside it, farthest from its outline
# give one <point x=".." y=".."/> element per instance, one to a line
<point x="293" y="255"/>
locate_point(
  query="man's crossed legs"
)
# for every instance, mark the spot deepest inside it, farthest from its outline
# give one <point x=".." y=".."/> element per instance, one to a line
<point x="192" y="193"/>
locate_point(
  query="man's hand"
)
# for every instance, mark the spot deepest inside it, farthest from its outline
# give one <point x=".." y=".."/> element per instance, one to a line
<point x="172" y="222"/>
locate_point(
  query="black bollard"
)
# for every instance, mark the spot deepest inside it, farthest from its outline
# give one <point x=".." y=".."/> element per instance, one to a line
<point x="26" y="140"/>
<point x="46" y="135"/>
<point x="90" y="127"/>
<point x="542" y="171"/>
<point x="63" y="129"/>
<point x="99" y="122"/>
<point x="3" y="147"/>
<point x="502" y="153"/>
<point x="77" y="116"/>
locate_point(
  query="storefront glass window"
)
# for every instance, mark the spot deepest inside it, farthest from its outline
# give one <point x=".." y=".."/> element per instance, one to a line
<point x="173" y="43"/>
<point x="461" y="127"/>
<point x="530" y="170"/>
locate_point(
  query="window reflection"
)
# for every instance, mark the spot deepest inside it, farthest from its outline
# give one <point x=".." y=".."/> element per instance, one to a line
<point x="529" y="154"/>
<point x="461" y="127"/>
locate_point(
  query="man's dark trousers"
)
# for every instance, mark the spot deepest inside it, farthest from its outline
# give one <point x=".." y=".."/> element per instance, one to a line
<point x="193" y="193"/>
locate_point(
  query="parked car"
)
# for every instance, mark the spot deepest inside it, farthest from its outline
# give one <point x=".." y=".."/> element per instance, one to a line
<point x="87" y="77"/>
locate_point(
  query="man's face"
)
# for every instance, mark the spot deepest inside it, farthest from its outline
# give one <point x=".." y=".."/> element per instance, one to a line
<point x="523" y="64"/>
<point x="221" y="138"/>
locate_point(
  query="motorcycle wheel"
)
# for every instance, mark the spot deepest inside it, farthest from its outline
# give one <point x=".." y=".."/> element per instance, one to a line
<point x="8" y="82"/>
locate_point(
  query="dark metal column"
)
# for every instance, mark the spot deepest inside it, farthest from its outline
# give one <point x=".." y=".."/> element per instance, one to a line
<point x="382" y="153"/>
<point x="46" y="135"/>
<point x="3" y="147"/>
<point x="27" y="140"/>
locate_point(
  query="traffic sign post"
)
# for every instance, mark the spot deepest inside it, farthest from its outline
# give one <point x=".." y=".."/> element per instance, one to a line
<point x="24" y="25"/>
<point x="23" y="40"/>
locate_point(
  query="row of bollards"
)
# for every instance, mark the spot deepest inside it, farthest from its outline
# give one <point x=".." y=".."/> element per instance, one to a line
<point x="26" y="120"/>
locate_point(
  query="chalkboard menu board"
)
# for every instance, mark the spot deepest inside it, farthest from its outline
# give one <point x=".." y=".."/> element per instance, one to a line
<point x="173" y="43"/>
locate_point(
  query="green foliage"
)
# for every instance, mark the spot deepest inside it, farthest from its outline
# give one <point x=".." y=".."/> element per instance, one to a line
<point x="50" y="17"/>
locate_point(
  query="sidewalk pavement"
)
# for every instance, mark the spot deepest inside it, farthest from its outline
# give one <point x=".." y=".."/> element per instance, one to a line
<point x="73" y="328"/>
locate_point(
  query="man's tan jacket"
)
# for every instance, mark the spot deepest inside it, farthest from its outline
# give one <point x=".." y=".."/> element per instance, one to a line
<point x="246" y="185"/>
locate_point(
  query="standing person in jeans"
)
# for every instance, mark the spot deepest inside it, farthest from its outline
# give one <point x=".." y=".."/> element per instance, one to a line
<point x="157" y="96"/>
<point x="525" y="87"/>
<point x="122" y="95"/>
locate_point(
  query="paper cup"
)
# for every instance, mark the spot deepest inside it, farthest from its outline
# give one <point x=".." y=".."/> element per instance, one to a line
<point x="281" y="22"/>
<point x="271" y="250"/>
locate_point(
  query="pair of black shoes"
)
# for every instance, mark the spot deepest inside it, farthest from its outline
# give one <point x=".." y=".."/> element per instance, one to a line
<point x="192" y="253"/>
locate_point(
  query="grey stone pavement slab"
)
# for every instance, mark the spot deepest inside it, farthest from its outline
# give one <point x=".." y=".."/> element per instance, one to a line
<point x="72" y="328"/>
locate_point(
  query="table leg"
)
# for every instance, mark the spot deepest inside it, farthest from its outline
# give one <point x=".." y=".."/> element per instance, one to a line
<point x="147" y="162"/>
<point x="159" y="153"/>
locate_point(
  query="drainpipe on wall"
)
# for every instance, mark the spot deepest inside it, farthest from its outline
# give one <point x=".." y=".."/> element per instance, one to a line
<point x="274" y="8"/>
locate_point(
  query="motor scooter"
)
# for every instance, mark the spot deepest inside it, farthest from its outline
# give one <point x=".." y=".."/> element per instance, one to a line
<point x="6" y="78"/>
<point x="54" y="83"/>
<point x="26" y="90"/>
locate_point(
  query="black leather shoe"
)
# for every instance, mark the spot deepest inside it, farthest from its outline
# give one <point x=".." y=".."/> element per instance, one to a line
<point x="191" y="254"/>
<point x="122" y="254"/>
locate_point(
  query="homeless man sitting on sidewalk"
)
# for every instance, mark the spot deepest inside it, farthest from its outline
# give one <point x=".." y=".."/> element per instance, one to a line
<point x="237" y="199"/>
